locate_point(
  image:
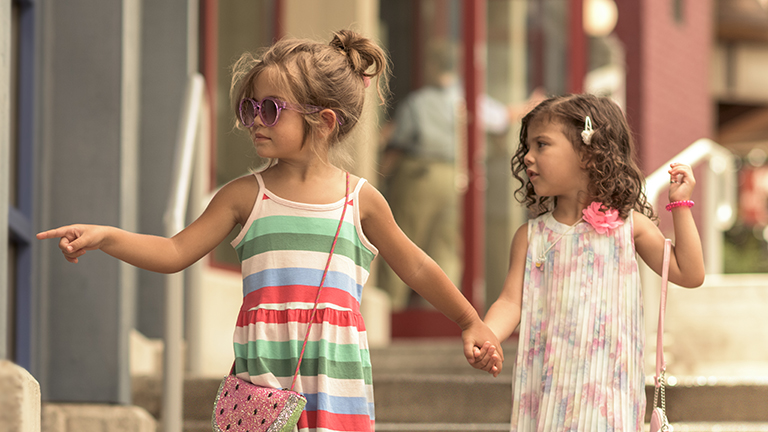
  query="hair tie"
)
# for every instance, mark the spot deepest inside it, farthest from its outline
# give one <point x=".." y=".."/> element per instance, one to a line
<point x="339" y="45"/>
<point x="676" y="204"/>
<point x="366" y="81"/>
<point x="586" y="134"/>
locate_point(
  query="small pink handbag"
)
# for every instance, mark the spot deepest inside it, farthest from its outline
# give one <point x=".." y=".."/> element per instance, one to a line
<point x="242" y="406"/>
<point x="659" y="420"/>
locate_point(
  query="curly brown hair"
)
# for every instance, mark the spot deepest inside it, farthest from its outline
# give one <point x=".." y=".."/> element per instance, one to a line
<point x="615" y="180"/>
<point x="326" y="75"/>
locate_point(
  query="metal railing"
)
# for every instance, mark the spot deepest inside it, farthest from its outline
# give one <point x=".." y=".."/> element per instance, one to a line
<point x="719" y="198"/>
<point x="189" y="139"/>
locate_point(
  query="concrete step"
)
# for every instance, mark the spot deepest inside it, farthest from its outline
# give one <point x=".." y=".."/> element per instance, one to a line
<point x="205" y="426"/>
<point x="197" y="426"/>
<point x="442" y="427"/>
<point x="199" y="394"/>
<point x="441" y="357"/>
<point x="442" y="399"/>
<point x="407" y="398"/>
<point x="711" y="400"/>
<point x="719" y="427"/>
<point x="407" y="372"/>
<point x="493" y="427"/>
<point x="431" y="382"/>
<point x="464" y="399"/>
<point x="430" y="385"/>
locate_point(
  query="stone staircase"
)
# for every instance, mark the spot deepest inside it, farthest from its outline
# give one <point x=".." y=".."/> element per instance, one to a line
<point x="428" y="386"/>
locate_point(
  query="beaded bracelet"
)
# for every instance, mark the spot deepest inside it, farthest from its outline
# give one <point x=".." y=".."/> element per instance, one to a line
<point x="684" y="203"/>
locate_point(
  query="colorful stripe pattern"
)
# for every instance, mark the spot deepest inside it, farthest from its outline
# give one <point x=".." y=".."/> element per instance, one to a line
<point x="580" y="355"/>
<point x="283" y="249"/>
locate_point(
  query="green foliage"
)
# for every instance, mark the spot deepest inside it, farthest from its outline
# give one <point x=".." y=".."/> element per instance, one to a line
<point x="745" y="250"/>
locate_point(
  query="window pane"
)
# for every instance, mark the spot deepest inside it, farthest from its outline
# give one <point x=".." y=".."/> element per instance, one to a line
<point x="424" y="159"/>
<point x="746" y="243"/>
<point x="244" y="25"/>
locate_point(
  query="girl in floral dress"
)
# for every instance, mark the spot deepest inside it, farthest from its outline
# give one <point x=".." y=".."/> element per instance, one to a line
<point x="573" y="283"/>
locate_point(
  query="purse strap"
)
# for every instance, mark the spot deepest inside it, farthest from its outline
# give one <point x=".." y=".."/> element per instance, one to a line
<point x="661" y="364"/>
<point x="320" y="287"/>
<point x="322" y="282"/>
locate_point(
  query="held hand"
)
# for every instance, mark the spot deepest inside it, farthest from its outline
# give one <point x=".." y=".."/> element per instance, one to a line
<point x="682" y="182"/>
<point x="478" y="335"/>
<point x="487" y="359"/>
<point x="76" y="239"/>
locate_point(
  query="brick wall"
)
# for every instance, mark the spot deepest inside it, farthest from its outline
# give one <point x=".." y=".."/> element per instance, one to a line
<point x="668" y="92"/>
<point x="669" y="103"/>
<point x="677" y="102"/>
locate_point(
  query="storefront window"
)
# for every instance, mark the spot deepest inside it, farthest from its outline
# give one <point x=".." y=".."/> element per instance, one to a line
<point x="746" y="243"/>
<point x="426" y="41"/>
<point x="423" y="150"/>
<point x="241" y="25"/>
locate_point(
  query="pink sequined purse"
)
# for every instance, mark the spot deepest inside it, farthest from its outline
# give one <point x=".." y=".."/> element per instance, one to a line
<point x="242" y="406"/>
<point x="659" y="421"/>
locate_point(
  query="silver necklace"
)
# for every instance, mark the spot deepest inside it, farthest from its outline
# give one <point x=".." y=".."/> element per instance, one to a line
<point x="543" y="257"/>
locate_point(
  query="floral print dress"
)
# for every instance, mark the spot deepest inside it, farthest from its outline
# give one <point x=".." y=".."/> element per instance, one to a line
<point x="580" y="356"/>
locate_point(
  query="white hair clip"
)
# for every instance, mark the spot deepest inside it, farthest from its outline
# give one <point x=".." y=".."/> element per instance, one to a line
<point x="586" y="134"/>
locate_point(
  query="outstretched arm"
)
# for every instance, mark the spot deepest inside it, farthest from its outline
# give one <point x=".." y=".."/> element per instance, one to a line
<point x="421" y="273"/>
<point x="686" y="266"/>
<point x="155" y="253"/>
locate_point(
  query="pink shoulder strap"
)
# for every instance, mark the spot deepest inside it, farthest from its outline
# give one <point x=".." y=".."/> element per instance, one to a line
<point x="661" y="365"/>
<point x="322" y="282"/>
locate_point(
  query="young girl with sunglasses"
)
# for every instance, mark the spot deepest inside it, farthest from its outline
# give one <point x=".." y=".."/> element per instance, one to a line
<point x="297" y="101"/>
<point x="573" y="283"/>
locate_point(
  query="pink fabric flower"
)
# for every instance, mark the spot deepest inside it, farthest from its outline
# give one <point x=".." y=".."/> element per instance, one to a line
<point x="602" y="220"/>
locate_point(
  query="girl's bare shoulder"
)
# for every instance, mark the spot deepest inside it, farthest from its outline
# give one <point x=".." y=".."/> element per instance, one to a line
<point x="521" y="234"/>
<point x="372" y="202"/>
<point x="642" y="225"/>
<point x="240" y="196"/>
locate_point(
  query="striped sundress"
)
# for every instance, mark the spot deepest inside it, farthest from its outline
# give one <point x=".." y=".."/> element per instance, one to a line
<point x="580" y="354"/>
<point x="283" y="249"/>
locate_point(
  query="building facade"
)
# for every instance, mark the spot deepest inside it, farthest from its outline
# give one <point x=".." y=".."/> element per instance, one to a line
<point x="92" y="95"/>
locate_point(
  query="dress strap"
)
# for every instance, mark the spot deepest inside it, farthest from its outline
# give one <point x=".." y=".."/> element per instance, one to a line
<point x="254" y="211"/>
<point x="358" y="187"/>
<point x="260" y="181"/>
